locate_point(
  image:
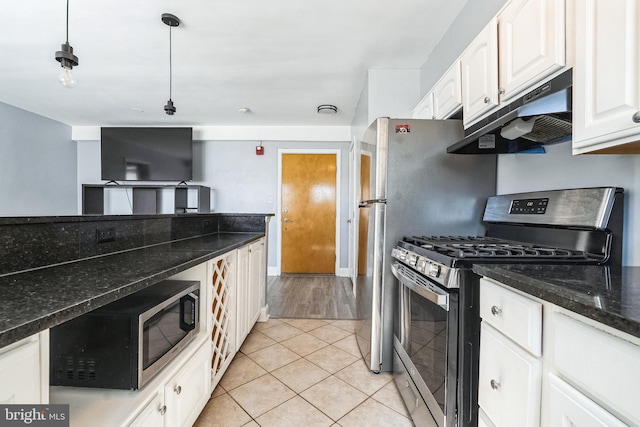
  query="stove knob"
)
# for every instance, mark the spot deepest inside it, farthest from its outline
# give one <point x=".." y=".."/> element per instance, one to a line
<point x="434" y="270"/>
<point x="422" y="265"/>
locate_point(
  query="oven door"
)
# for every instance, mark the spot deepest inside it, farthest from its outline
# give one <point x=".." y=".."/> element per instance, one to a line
<point x="426" y="340"/>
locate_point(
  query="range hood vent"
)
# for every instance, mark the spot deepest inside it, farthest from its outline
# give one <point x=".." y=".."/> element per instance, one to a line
<point x="542" y="116"/>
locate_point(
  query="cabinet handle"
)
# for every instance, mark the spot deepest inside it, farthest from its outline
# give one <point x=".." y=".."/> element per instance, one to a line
<point x="636" y="117"/>
<point x="433" y="117"/>
<point x="163" y="409"/>
<point x="487" y="99"/>
<point x="177" y="389"/>
<point x="501" y="91"/>
<point x="495" y="384"/>
<point x="495" y="310"/>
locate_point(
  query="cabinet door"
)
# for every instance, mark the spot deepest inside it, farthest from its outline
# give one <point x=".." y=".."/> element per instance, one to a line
<point x="20" y="372"/>
<point x="152" y="414"/>
<point x="256" y="280"/>
<point x="531" y="36"/>
<point x="569" y="407"/>
<point x="447" y="94"/>
<point x="509" y="384"/>
<point x="222" y="276"/>
<point x="242" y="290"/>
<point x="424" y="110"/>
<point x="606" y="91"/>
<point x="480" y="74"/>
<point x="188" y="392"/>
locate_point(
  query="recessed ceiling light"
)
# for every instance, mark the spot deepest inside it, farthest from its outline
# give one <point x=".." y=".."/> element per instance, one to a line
<point x="244" y="110"/>
<point x="327" y="109"/>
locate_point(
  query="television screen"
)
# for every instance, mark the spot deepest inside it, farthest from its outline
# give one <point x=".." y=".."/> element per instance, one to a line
<point x="146" y="154"/>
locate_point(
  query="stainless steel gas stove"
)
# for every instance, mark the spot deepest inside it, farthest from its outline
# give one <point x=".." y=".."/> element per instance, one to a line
<point x="438" y="324"/>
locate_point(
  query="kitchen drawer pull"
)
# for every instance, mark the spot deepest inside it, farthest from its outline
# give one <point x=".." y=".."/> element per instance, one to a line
<point x="636" y="117"/>
<point x="163" y="409"/>
<point x="178" y="389"/>
<point x="495" y="384"/>
<point x="495" y="310"/>
<point x="487" y="99"/>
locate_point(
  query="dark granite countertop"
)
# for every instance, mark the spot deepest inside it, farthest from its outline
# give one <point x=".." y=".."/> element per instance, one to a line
<point x="605" y="295"/>
<point x="34" y="300"/>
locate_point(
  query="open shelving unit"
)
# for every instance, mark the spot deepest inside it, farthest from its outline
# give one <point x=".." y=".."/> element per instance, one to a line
<point x="104" y="199"/>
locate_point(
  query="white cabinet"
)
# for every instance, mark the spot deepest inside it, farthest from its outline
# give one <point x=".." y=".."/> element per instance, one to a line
<point x="606" y="89"/>
<point x="519" y="49"/>
<point x="447" y="93"/>
<point x="531" y="40"/>
<point x="178" y="401"/>
<point x="250" y="287"/>
<point x="569" y="407"/>
<point x="424" y="109"/>
<point x="586" y="375"/>
<point x="188" y="391"/>
<point x="24" y="370"/>
<point x="510" y="376"/>
<point x="479" y="64"/>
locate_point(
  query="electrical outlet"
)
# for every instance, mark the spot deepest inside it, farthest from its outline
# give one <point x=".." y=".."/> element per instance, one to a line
<point x="207" y="225"/>
<point x="104" y="235"/>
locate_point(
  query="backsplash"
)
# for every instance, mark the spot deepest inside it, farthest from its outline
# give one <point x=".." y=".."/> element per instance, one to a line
<point x="27" y="243"/>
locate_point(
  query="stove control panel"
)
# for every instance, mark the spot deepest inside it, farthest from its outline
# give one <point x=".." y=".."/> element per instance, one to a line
<point x="529" y="206"/>
<point x="422" y="265"/>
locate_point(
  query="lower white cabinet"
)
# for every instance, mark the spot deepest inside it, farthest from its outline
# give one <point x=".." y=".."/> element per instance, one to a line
<point x="586" y="374"/>
<point x="250" y="287"/>
<point x="24" y="371"/>
<point x="178" y="401"/>
<point x="569" y="407"/>
<point x="509" y="384"/>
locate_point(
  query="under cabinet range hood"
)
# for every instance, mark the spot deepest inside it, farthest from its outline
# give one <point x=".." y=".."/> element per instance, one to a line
<point x="542" y="116"/>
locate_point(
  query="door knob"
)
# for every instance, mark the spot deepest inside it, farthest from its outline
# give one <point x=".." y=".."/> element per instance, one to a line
<point x="287" y="220"/>
<point x="636" y="117"/>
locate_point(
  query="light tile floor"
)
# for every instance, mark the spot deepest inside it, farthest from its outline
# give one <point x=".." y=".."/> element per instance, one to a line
<point x="303" y="372"/>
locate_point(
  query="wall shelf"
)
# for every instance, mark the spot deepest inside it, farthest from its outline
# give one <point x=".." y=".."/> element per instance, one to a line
<point x="103" y="199"/>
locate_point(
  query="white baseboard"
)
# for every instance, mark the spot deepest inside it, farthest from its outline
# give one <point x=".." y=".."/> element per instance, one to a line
<point x="273" y="271"/>
<point x="342" y="272"/>
<point x="264" y="314"/>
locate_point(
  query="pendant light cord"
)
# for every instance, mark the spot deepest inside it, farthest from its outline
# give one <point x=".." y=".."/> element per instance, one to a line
<point x="67" y="21"/>
<point x="170" y="65"/>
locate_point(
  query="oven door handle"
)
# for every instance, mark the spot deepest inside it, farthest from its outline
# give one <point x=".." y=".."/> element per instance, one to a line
<point x="437" y="298"/>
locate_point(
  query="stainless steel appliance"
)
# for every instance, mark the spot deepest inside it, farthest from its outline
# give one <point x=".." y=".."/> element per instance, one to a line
<point x="436" y="339"/>
<point x="124" y="344"/>
<point x="541" y="116"/>
<point x="410" y="186"/>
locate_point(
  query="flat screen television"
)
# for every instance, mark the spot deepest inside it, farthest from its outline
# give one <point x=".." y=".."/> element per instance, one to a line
<point x="146" y="153"/>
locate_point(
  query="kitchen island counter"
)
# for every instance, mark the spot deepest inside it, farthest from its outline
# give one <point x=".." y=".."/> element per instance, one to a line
<point x="599" y="293"/>
<point x="37" y="299"/>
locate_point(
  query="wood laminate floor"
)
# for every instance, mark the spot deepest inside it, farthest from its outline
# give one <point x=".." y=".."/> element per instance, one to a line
<point x="310" y="296"/>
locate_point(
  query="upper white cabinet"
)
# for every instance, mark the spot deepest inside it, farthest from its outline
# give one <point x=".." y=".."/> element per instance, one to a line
<point x="479" y="64"/>
<point x="525" y="44"/>
<point x="606" y="92"/>
<point x="444" y="99"/>
<point x="531" y="40"/>
<point x="447" y="93"/>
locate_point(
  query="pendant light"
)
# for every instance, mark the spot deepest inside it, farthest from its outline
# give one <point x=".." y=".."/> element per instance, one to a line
<point x="171" y="21"/>
<point x="67" y="60"/>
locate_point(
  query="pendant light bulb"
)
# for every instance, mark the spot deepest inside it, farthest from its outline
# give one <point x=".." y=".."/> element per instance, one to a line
<point x="66" y="78"/>
<point x="67" y="60"/>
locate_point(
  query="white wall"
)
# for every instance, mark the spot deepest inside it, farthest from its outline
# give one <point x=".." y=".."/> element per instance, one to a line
<point x="558" y="168"/>
<point x="37" y="165"/>
<point x="241" y="181"/>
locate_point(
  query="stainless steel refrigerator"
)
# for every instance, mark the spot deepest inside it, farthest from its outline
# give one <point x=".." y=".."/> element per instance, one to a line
<point x="409" y="185"/>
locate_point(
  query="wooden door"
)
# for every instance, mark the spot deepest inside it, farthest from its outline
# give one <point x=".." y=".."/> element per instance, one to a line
<point x="363" y="223"/>
<point x="309" y="213"/>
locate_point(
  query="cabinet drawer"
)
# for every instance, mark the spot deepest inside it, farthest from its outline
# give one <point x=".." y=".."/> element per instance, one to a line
<point x="569" y="407"/>
<point x="509" y="384"/>
<point x="516" y="316"/>
<point x="600" y="365"/>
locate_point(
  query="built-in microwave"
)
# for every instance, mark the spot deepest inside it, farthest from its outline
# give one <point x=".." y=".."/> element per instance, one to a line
<point x="122" y="345"/>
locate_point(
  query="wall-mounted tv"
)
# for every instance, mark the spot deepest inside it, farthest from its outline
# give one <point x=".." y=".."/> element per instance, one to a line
<point x="146" y="154"/>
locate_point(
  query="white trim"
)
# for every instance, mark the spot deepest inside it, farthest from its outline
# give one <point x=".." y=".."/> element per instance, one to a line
<point x="342" y="272"/>
<point x="278" y="215"/>
<point x="243" y="133"/>
<point x="273" y="271"/>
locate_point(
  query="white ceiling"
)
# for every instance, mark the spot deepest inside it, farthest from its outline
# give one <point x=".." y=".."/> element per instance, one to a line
<point x="279" y="58"/>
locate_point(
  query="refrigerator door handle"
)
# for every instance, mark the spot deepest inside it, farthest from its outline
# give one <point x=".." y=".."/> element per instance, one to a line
<point x="367" y="203"/>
